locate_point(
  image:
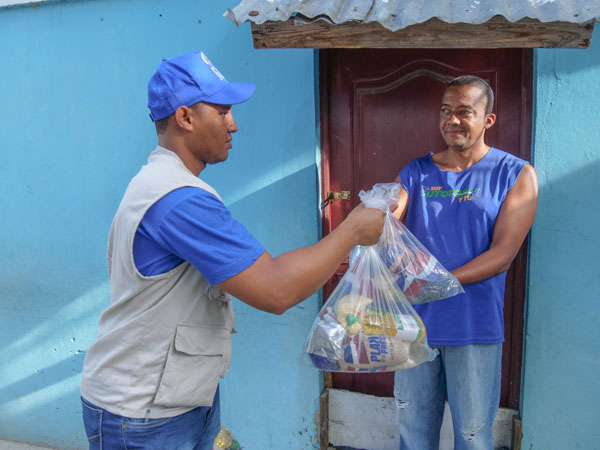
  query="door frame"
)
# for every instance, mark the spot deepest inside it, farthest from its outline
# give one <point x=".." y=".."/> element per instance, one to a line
<point x="516" y="279"/>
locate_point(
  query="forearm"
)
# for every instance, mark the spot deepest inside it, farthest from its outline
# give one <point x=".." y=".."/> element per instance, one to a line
<point x="489" y="264"/>
<point x="512" y="225"/>
<point x="276" y="284"/>
<point x="299" y="273"/>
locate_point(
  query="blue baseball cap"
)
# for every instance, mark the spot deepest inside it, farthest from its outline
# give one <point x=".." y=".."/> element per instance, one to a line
<point x="189" y="79"/>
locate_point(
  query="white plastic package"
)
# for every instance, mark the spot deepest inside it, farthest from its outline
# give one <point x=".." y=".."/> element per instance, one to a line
<point x="418" y="273"/>
<point x="367" y="324"/>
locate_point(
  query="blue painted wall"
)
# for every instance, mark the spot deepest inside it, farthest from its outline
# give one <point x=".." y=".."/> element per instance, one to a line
<point x="75" y="129"/>
<point x="561" y="392"/>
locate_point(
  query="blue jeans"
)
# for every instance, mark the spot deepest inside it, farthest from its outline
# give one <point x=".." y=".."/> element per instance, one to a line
<point x="194" y="430"/>
<point x="470" y="377"/>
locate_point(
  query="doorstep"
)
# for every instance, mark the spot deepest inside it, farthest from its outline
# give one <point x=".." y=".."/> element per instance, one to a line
<point x="360" y="421"/>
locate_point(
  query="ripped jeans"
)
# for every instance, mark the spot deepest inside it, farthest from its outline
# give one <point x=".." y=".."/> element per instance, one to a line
<point x="469" y="376"/>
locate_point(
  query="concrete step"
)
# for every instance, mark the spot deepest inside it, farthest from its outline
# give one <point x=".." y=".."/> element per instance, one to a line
<point x="12" y="445"/>
<point x="365" y="421"/>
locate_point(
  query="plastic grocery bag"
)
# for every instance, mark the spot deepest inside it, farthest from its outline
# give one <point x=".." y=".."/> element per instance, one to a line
<point x="367" y="324"/>
<point x="226" y="441"/>
<point x="418" y="273"/>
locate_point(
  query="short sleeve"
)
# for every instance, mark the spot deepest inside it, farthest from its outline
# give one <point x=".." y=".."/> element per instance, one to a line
<point x="191" y="224"/>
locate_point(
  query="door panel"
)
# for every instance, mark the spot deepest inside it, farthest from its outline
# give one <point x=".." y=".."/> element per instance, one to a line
<point x="379" y="110"/>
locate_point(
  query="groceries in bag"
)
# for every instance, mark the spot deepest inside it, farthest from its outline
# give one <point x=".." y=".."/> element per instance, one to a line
<point x="367" y="324"/>
<point x="418" y="273"/>
<point x="226" y="441"/>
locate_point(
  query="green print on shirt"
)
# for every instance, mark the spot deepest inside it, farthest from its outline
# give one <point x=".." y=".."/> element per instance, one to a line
<point x="463" y="195"/>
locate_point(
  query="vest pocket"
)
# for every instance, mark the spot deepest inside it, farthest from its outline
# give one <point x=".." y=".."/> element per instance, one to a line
<point x="194" y="364"/>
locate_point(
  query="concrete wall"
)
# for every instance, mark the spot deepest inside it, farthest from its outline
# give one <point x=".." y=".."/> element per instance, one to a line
<point x="561" y="393"/>
<point x="75" y="129"/>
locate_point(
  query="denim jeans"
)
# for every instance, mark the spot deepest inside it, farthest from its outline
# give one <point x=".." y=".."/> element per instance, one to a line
<point x="470" y="377"/>
<point x="194" y="430"/>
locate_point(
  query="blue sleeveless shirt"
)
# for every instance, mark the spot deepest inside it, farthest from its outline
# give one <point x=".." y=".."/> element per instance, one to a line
<point x="453" y="214"/>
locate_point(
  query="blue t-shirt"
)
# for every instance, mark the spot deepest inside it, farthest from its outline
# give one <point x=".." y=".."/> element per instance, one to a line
<point x="453" y="214"/>
<point x="191" y="224"/>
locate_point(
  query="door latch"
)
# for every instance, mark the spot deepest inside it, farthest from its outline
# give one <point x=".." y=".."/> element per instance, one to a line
<point x="333" y="196"/>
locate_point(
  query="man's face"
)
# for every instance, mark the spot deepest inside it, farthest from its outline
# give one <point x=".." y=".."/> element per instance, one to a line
<point x="211" y="137"/>
<point x="463" y="120"/>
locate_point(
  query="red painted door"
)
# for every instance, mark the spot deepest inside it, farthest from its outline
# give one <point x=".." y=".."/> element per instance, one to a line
<point x="379" y="110"/>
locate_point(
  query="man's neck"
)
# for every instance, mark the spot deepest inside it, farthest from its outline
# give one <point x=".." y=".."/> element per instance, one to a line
<point x="457" y="160"/>
<point x="177" y="146"/>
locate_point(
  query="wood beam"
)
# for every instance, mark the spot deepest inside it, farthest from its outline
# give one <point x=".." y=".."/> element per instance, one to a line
<point x="498" y="32"/>
<point x="517" y="432"/>
<point x="324" y="420"/>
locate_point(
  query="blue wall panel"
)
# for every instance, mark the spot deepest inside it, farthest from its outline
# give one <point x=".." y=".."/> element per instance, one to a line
<point x="561" y="393"/>
<point x="75" y="129"/>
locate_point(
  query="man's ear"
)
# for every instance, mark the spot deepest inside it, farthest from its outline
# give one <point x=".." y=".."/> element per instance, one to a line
<point x="490" y="119"/>
<point x="183" y="117"/>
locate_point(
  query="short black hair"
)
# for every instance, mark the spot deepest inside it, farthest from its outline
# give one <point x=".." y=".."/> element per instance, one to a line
<point x="468" y="80"/>
<point x="162" y="124"/>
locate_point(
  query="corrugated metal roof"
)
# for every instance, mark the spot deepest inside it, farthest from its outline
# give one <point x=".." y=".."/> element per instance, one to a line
<point x="397" y="14"/>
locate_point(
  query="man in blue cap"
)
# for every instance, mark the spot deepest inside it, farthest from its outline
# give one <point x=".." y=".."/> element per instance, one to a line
<point x="175" y="254"/>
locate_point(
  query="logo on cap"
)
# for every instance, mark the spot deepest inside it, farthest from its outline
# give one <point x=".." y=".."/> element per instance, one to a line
<point x="212" y="67"/>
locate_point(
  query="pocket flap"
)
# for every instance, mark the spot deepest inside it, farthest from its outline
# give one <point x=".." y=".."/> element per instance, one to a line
<point x="203" y="340"/>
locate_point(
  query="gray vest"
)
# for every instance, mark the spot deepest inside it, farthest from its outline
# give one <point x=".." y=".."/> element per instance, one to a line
<point x="165" y="340"/>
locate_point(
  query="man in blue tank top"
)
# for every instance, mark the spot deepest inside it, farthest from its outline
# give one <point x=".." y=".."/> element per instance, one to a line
<point x="472" y="206"/>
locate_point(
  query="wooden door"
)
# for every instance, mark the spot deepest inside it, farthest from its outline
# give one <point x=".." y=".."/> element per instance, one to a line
<point x="379" y="110"/>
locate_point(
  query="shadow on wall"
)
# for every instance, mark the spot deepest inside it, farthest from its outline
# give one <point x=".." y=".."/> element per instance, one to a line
<point x="561" y="330"/>
<point x="41" y="380"/>
<point x="38" y="410"/>
<point x="564" y="251"/>
<point x="46" y="327"/>
<point x="282" y="214"/>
